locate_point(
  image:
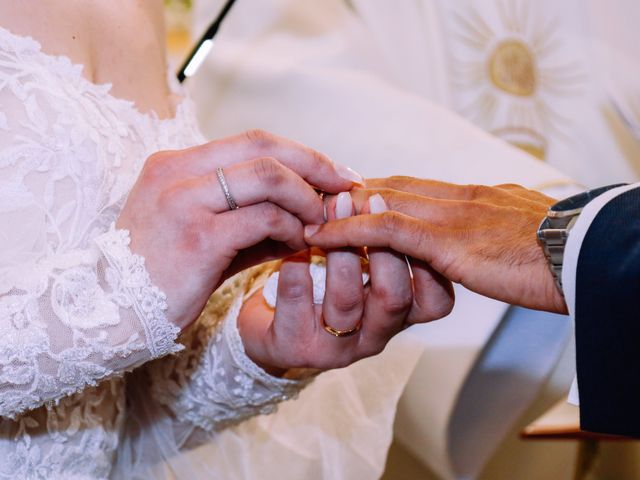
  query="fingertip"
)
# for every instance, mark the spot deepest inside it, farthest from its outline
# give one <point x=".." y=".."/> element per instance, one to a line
<point x="434" y="294"/>
<point x="377" y="204"/>
<point x="349" y="174"/>
<point x="310" y="231"/>
<point x="344" y="205"/>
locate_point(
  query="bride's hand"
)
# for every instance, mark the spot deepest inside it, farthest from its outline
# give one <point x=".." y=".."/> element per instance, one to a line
<point x="180" y="221"/>
<point x="298" y="333"/>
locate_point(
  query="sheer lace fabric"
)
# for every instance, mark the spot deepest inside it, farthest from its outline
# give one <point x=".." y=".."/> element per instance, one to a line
<point x="195" y="385"/>
<point x="77" y="308"/>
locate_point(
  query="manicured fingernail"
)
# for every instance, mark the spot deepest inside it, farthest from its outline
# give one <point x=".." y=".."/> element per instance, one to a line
<point x="377" y="204"/>
<point x="311" y="230"/>
<point x="348" y="174"/>
<point x="344" y="205"/>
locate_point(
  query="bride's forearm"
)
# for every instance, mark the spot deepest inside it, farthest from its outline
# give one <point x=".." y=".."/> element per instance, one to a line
<point x="213" y="383"/>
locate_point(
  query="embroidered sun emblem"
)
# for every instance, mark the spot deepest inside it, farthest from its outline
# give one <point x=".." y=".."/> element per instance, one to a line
<point x="512" y="68"/>
<point x="512" y="73"/>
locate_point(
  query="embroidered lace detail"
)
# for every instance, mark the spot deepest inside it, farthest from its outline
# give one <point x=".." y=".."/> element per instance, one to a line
<point x="76" y="306"/>
<point x="28" y="50"/>
<point x="223" y="385"/>
<point x="90" y="341"/>
<point x="128" y="277"/>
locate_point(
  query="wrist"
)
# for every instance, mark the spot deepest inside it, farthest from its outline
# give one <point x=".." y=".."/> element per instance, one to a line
<point x="554" y="232"/>
<point x="553" y="295"/>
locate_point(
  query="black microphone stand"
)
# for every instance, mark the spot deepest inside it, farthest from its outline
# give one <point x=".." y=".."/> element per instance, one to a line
<point x="202" y="48"/>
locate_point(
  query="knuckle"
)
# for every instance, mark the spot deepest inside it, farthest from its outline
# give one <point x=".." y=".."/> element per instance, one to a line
<point x="269" y="171"/>
<point x="477" y="192"/>
<point x="320" y="161"/>
<point x="399" y="202"/>
<point x="346" y="300"/>
<point x="291" y="290"/>
<point x="158" y="165"/>
<point x="260" y="139"/>
<point x="475" y="210"/>
<point x="391" y="222"/>
<point x="423" y="239"/>
<point x="272" y="216"/>
<point x="393" y="301"/>
<point x="509" y="186"/>
<point x="347" y="303"/>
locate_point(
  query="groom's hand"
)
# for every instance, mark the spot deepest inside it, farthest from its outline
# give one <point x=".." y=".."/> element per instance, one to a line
<point x="482" y="237"/>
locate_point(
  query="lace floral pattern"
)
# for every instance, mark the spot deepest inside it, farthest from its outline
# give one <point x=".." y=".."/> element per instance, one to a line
<point x="209" y="395"/>
<point x="76" y="306"/>
<point x="130" y="281"/>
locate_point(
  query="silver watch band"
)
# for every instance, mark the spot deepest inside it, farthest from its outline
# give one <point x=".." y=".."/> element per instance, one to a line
<point x="554" y="229"/>
<point x="553" y="234"/>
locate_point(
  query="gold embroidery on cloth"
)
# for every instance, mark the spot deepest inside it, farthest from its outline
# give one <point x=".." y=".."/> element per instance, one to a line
<point x="510" y="73"/>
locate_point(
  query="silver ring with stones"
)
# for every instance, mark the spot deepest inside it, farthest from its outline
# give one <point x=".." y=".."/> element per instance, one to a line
<point x="225" y="189"/>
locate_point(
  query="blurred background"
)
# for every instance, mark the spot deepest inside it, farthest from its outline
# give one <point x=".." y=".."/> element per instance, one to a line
<point x="537" y="92"/>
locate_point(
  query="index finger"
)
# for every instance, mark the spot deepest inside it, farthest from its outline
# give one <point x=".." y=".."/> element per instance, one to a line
<point x="316" y="168"/>
<point x="394" y="230"/>
<point x="421" y="186"/>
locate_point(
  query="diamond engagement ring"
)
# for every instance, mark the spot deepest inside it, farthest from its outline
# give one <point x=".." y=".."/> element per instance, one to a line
<point x="225" y="189"/>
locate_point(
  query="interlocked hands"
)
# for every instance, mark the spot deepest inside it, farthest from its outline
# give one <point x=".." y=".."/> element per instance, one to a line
<point x="180" y="220"/>
<point x="482" y="237"/>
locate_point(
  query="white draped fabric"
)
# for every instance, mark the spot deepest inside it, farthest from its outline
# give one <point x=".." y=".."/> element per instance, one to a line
<point x="334" y="76"/>
<point x="366" y="81"/>
<point x="539" y="74"/>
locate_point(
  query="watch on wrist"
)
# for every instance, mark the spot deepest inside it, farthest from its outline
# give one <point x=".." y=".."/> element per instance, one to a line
<point x="554" y="229"/>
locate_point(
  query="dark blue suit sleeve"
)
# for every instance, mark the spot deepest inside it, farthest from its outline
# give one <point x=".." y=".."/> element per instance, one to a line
<point x="607" y="319"/>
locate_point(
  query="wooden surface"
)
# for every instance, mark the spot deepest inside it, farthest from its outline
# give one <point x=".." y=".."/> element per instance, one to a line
<point x="562" y="422"/>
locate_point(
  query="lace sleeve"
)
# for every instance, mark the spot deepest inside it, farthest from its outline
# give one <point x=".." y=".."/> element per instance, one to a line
<point x="213" y="383"/>
<point x="76" y="305"/>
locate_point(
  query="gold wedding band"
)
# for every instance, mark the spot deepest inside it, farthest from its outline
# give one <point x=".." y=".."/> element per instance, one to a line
<point x="225" y="189"/>
<point x="341" y="333"/>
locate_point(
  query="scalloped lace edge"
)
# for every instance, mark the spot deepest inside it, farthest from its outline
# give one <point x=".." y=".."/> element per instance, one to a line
<point x="241" y="359"/>
<point x="149" y="302"/>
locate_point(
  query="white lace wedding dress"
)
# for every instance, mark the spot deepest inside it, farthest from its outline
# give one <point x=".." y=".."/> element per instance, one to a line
<point x="77" y="308"/>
